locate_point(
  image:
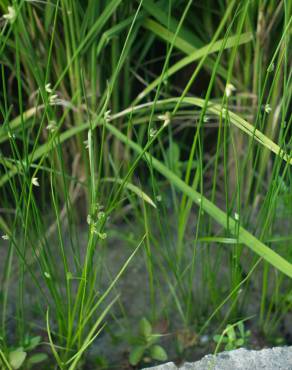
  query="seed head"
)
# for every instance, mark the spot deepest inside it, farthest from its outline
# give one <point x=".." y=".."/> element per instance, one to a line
<point x="158" y="198"/>
<point x="100" y="215"/>
<point x="35" y="181"/>
<point x="52" y="126"/>
<point x="53" y="99"/>
<point x="11" y="15"/>
<point x="268" y="108"/>
<point x="48" y="88"/>
<point x="165" y="118"/>
<point x="102" y="235"/>
<point x="229" y="89"/>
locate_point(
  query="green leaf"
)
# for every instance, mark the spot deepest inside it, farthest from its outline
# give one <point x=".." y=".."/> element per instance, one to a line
<point x="220" y="339"/>
<point x="239" y="342"/>
<point x="158" y="353"/>
<point x="145" y="327"/>
<point x="209" y="207"/>
<point x="216" y="338"/>
<point x="193" y="56"/>
<point x="136" y="355"/>
<point x="37" y="358"/>
<point x="15" y="124"/>
<point x="229" y="347"/>
<point x="168" y="36"/>
<point x="17" y="358"/>
<point x="33" y="342"/>
<point x="135" y="189"/>
<point x="158" y="12"/>
<point x="91" y="34"/>
<point x="173" y="155"/>
<point x="241" y="328"/>
<point x="231" y="333"/>
<point x="93" y="332"/>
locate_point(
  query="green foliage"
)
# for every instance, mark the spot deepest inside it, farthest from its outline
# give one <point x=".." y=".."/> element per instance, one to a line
<point x="16" y="358"/>
<point x="146" y="347"/>
<point x="158" y="131"/>
<point x="173" y="159"/>
<point x="20" y="357"/>
<point x="234" y="336"/>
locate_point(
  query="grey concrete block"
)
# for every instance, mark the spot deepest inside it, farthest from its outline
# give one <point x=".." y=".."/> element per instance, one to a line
<point x="277" y="358"/>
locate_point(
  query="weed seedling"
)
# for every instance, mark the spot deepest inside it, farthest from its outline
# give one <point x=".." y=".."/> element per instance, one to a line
<point x="19" y="357"/>
<point x="146" y="347"/>
<point x="232" y="338"/>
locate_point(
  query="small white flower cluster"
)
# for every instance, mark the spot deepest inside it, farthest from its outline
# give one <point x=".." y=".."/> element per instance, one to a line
<point x="100" y="215"/>
<point x="95" y="225"/>
<point x="53" y="98"/>
<point x="52" y="126"/>
<point x="48" y="88"/>
<point x="5" y="237"/>
<point x="11" y="15"/>
<point x="159" y="198"/>
<point x="35" y="181"/>
<point x="229" y="89"/>
<point x="165" y="118"/>
<point x="162" y="117"/>
<point x="268" y="108"/>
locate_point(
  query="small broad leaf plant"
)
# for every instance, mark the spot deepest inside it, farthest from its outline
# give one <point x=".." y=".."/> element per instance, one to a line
<point x="19" y="357"/>
<point x="234" y="336"/>
<point x="146" y="348"/>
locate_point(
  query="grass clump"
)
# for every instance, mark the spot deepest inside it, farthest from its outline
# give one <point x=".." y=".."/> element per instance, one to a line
<point x="145" y="180"/>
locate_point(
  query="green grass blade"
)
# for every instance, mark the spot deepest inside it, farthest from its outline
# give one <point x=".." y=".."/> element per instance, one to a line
<point x="242" y="124"/>
<point x="195" y="55"/>
<point x="216" y="213"/>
